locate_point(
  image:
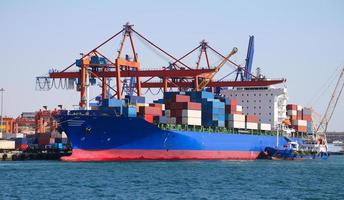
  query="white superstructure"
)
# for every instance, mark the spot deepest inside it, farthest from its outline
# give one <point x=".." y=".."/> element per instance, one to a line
<point x="268" y="103"/>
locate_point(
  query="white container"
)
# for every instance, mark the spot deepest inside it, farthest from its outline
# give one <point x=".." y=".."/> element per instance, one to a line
<point x="168" y="113"/>
<point x="192" y="121"/>
<point x="264" y="127"/>
<point x="300" y="123"/>
<point x="251" y="125"/>
<point x="192" y="113"/>
<point x="239" y="108"/>
<point x="162" y="106"/>
<point x="236" y="117"/>
<point x="237" y="124"/>
<point x="299" y="108"/>
<point x="171" y="120"/>
<point x="292" y="112"/>
<point x="2" y="135"/>
<point x="7" y="144"/>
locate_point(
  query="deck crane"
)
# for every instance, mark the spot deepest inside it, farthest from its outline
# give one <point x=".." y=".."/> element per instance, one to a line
<point x="322" y="127"/>
<point x="206" y="80"/>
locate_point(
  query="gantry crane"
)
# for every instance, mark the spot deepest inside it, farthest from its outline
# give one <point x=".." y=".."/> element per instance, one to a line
<point x="94" y="65"/>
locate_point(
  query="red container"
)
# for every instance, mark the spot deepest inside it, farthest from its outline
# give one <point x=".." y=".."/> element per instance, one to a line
<point x="234" y="102"/>
<point x="308" y="118"/>
<point x="185" y="105"/>
<point x="251" y="118"/>
<point x="150" y="111"/>
<point x="149" y="118"/>
<point x="291" y="107"/>
<point x="180" y="98"/>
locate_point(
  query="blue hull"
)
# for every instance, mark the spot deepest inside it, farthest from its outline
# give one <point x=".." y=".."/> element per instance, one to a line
<point x="107" y="132"/>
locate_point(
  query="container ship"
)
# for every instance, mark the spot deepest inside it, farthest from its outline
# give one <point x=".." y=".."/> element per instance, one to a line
<point x="197" y="118"/>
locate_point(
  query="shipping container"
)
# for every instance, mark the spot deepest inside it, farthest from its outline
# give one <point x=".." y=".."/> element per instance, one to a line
<point x="264" y="127"/>
<point x="184" y="105"/>
<point x="236" y="124"/>
<point x="189" y="120"/>
<point x="130" y="111"/>
<point x="299" y="108"/>
<point x="154" y="111"/>
<point x="148" y="118"/>
<point x="252" y="125"/>
<point x="135" y="99"/>
<point x="236" y="117"/>
<point x="291" y="107"/>
<point x="192" y="113"/>
<point x="251" y="118"/>
<point x="299" y="123"/>
<point x="291" y="112"/>
<point x="181" y="98"/>
<point x="171" y="120"/>
<point x="112" y="103"/>
<point x="201" y="95"/>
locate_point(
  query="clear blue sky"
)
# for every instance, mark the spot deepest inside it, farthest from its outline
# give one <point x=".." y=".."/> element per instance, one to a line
<point x="301" y="41"/>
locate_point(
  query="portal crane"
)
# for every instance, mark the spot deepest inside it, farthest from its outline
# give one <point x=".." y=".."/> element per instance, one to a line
<point x="206" y="81"/>
<point x="95" y="65"/>
<point x="322" y="127"/>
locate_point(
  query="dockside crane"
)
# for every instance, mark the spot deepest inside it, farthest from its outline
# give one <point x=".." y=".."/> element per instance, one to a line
<point x="95" y="65"/>
<point x="326" y="118"/>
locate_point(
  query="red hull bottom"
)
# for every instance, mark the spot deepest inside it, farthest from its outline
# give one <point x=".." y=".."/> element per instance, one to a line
<point x="126" y="155"/>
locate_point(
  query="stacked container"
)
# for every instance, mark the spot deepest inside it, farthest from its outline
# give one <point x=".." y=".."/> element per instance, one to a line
<point x="213" y="113"/>
<point x="149" y="112"/>
<point x="235" y="121"/>
<point x="251" y="122"/>
<point x="307" y="115"/>
<point x="298" y="117"/>
<point x="180" y="110"/>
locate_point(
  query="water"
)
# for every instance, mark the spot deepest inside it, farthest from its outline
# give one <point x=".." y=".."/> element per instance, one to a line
<point x="173" y="180"/>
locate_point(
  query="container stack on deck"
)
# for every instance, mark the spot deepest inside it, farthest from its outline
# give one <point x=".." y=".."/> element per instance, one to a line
<point x="300" y="118"/>
<point x="181" y="110"/>
<point x="188" y="108"/>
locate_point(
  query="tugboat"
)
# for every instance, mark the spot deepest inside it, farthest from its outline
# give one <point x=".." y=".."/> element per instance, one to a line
<point x="309" y="150"/>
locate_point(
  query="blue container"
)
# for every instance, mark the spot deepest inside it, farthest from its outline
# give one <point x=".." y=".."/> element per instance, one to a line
<point x="112" y="103"/>
<point x="200" y="95"/>
<point x="169" y="95"/>
<point x="135" y="99"/>
<point x="129" y="111"/>
<point x="161" y="101"/>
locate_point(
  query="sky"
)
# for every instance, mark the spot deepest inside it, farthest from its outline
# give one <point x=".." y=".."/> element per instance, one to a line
<point x="301" y="41"/>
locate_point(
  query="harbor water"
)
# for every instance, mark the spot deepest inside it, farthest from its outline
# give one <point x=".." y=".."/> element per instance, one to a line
<point x="261" y="179"/>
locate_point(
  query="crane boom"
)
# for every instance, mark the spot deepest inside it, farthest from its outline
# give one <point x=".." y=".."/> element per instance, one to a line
<point x="322" y="127"/>
<point x="205" y="81"/>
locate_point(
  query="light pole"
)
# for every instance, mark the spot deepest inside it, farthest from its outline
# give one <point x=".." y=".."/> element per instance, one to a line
<point x="2" y="109"/>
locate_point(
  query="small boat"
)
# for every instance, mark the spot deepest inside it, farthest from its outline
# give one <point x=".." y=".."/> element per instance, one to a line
<point x="293" y="150"/>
